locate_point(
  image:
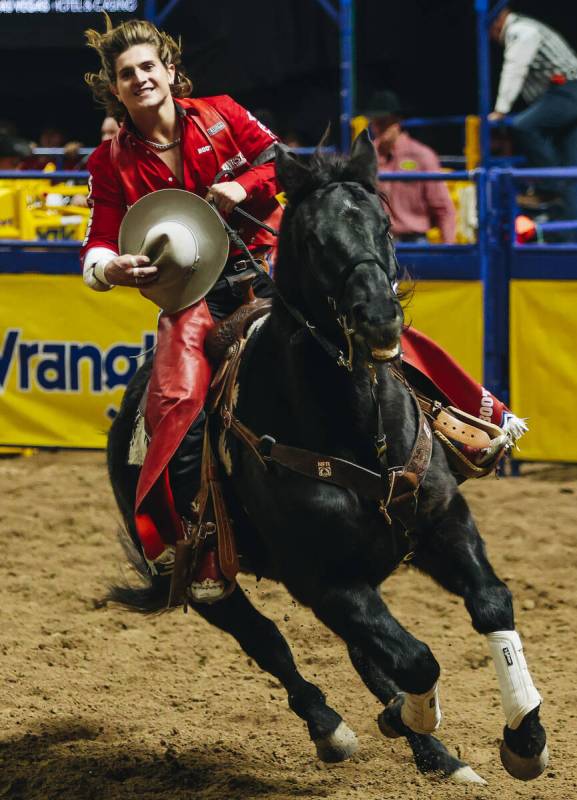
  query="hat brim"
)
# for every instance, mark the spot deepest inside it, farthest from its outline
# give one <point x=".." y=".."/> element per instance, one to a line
<point x="191" y="210"/>
<point x="380" y="113"/>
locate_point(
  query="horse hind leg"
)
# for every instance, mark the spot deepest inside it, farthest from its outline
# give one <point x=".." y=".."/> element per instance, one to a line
<point x="260" y="639"/>
<point x="454" y="555"/>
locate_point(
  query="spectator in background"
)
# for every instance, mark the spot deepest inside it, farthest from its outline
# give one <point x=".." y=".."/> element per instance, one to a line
<point x="49" y="137"/>
<point x="540" y="66"/>
<point x="294" y="138"/>
<point x="415" y="206"/>
<point x="108" y="129"/>
<point x="13" y="151"/>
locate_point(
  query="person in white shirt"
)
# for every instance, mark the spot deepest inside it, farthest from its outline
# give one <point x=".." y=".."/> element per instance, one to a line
<point x="541" y="67"/>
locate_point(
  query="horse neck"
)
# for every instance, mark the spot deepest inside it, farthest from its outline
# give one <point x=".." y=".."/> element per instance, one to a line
<point x="333" y="407"/>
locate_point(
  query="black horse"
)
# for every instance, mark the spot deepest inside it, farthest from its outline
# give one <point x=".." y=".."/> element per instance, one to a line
<point x="330" y="546"/>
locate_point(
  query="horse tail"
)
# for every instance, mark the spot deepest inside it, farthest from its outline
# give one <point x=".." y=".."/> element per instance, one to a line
<point x="151" y="596"/>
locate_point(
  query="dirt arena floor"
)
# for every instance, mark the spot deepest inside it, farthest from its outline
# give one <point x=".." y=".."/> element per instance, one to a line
<point x="100" y="704"/>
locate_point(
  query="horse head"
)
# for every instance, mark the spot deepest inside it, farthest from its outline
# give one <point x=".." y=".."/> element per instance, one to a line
<point x="336" y="256"/>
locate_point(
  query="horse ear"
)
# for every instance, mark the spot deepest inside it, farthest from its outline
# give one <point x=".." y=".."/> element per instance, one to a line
<point x="363" y="158"/>
<point x="291" y="174"/>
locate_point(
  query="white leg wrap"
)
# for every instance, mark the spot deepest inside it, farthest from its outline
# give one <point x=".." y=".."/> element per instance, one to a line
<point x="421" y="712"/>
<point x="518" y="693"/>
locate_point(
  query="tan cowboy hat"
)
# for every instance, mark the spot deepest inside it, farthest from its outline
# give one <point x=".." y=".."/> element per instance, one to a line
<point x="184" y="237"/>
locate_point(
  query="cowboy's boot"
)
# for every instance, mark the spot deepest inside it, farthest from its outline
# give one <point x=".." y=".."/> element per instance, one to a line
<point x="208" y="584"/>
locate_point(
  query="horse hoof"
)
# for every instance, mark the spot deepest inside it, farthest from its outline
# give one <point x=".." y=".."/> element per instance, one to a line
<point x="525" y="769"/>
<point x="467" y="775"/>
<point x="389" y="720"/>
<point x="338" y="745"/>
<point x="385" y="726"/>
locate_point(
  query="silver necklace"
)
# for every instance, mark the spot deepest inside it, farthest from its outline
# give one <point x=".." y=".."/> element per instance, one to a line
<point x="158" y="146"/>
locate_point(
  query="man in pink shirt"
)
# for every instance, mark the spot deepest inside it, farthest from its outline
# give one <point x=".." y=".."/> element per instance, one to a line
<point x="415" y="206"/>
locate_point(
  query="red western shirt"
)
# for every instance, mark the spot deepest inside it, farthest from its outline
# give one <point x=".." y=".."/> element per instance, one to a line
<point x="417" y="206"/>
<point x="113" y="190"/>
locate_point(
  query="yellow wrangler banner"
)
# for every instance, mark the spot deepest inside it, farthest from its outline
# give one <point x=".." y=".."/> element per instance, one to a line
<point x="543" y="330"/>
<point x="66" y="355"/>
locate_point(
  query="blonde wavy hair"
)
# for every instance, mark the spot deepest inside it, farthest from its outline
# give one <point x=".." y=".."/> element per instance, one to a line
<point x="115" y="41"/>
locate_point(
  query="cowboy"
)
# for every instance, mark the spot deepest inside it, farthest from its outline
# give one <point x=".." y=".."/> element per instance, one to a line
<point x="170" y="141"/>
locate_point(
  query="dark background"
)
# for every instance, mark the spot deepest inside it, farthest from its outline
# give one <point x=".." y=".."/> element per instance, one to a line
<point x="278" y="54"/>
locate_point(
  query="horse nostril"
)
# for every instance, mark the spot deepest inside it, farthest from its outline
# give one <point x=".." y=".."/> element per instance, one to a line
<point x="359" y="313"/>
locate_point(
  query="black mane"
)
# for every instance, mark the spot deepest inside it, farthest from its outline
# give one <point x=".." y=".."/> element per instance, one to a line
<point x="324" y="170"/>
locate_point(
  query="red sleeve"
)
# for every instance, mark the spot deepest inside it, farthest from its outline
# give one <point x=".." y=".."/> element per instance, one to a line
<point x="106" y="202"/>
<point x="438" y="199"/>
<point x="254" y="139"/>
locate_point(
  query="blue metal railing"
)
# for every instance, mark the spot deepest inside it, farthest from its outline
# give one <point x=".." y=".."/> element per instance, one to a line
<point x="57" y="175"/>
<point x="406" y="176"/>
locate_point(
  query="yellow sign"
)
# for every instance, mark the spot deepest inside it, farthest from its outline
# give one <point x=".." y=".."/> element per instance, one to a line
<point x="66" y="356"/>
<point x="451" y="313"/>
<point x="543" y="375"/>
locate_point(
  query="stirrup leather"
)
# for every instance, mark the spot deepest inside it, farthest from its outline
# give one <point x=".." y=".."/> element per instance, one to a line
<point x="206" y="560"/>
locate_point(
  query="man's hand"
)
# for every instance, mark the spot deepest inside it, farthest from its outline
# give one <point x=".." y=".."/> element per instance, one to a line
<point x="226" y="196"/>
<point x="496" y="116"/>
<point x="130" y="271"/>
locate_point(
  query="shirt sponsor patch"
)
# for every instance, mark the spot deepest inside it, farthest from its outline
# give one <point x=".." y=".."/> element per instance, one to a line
<point x="215" y="128"/>
<point x="204" y="149"/>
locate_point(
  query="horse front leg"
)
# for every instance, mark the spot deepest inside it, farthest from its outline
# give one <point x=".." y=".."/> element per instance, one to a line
<point x="453" y="553"/>
<point x="430" y="754"/>
<point x="260" y="639"/>
<point x="389" y="658"/>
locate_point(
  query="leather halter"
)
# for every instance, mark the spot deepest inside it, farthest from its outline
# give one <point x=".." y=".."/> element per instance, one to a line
<point x="334" y="303"/>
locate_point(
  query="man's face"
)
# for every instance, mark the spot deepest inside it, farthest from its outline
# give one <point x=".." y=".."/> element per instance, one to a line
<point x="142" y="81"/>
<point x="498" y="24"/>
<point x="385" y="132"/>
<point x="109" y="129"/>
<point x="51" y="137"/>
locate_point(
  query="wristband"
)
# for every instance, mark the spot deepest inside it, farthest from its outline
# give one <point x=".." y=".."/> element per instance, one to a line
<point x="98" y="270"/>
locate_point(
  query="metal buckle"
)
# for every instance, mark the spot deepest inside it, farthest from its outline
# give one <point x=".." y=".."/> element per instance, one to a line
<point x="381" y="445"/>
<point x="344" y="362"/>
